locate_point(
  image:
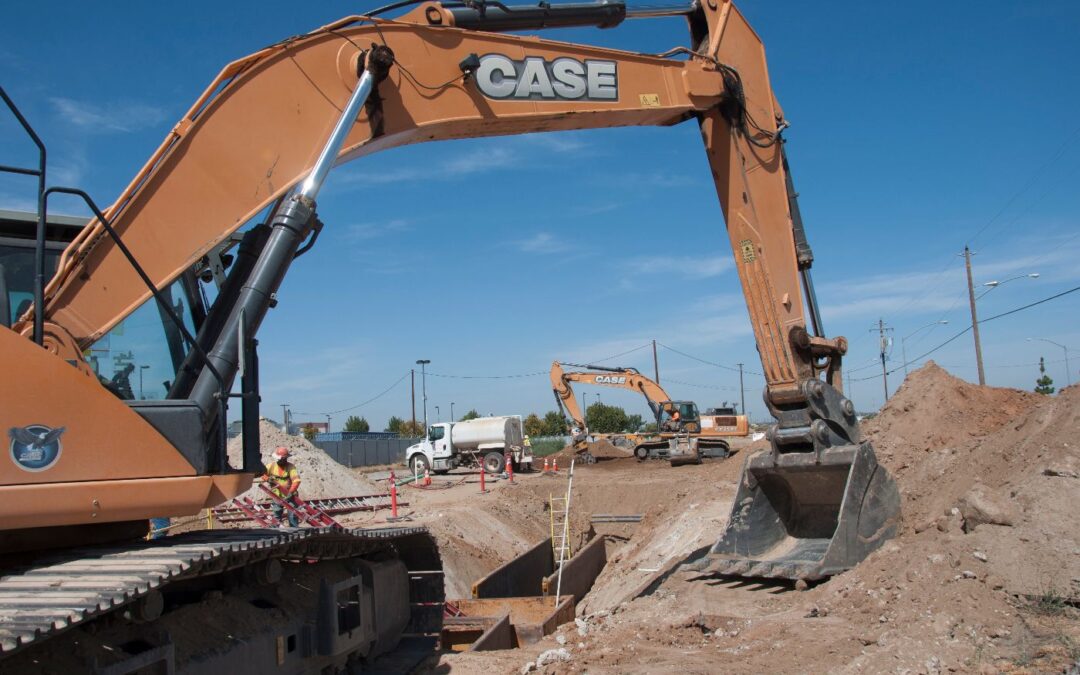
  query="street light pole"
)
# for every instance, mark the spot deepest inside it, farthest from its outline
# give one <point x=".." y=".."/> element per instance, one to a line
<point x="438" y="415"/>
<point x="903" y="349"/>
<point x="141" y="369"/>
<point x="1068" y="376"/>
<point x="742" y="393"/>
<point x="423" y="384"/>
<point x="451" y="411"/>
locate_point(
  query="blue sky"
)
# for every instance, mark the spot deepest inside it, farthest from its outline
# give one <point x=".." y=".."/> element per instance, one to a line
<point x="915" y="131"/>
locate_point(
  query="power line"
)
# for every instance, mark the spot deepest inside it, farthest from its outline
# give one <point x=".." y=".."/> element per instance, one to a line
<point x="489" y="377"/>
<point x="733" y="369"/>
<point x="703" y="386"/>
<point x="982" y="321"/>
<point x="615" y="356"/>
<point x="360" y="405"/>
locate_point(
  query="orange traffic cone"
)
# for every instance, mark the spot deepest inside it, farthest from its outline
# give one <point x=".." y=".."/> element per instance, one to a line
<point x="547" y="466"/>
<point x="427" y="477"/>
<point x="555" y="465"/>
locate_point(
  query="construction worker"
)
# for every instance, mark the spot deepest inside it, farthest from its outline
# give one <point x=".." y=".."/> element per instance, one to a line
<point x="284" y="481"/>
<point x="672" y="423"/>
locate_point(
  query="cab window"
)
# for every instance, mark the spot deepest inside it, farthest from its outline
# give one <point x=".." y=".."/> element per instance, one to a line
<point x="435" y="433"/>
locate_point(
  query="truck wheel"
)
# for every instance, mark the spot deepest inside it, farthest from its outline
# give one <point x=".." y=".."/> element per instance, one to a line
<point x="493" y="463"/>
<point x="419" y="464"/>
<point x="641" y="452"/>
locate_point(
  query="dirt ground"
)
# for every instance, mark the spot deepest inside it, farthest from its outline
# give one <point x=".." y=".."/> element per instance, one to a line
<point x="984" y="577"/>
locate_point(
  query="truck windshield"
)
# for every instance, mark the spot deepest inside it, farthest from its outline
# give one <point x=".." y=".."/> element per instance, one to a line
<point x="435" y="433"/>
<point x="139" y="358"/>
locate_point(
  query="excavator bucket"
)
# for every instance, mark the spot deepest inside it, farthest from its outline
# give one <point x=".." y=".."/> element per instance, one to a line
<point x="806" y="515"/>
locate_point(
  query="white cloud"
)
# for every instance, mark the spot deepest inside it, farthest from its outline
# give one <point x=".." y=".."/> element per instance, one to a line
<point x="687" y="267"/>
<point x="542" y="242"/>
<point x="366" y="231"/>
<point x="120" y="117"/>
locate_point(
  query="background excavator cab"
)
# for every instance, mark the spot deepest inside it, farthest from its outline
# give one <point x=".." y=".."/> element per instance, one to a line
<point x="689" y="418"/>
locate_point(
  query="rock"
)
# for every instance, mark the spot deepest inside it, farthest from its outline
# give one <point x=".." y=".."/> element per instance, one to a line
<point x="995" y="582"/>
<point x="968" y="574"/>
<point x="552" y="656"/>
<point x="981" y="506"/>
<point x="1060" y="472"/>
<point x="870" y="637"/>
<point x="528" y="668"/>
<point x="561" y="639"/>
<point x="801" y="585"/>
<point x="582" y="627"/>
<point x="979" y="555"/>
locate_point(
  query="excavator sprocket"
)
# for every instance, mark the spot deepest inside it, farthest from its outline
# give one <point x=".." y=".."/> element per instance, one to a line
<point x="806" y="515"/>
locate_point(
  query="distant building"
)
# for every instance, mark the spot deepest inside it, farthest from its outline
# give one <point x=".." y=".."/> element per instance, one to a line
<point x="320" y="427"/>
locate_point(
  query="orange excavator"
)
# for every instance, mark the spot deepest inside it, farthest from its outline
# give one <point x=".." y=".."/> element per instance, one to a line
<point x="229" y="199"/>
<point x="683" y="435"/>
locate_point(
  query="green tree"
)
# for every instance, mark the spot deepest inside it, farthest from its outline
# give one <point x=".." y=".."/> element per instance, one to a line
<point x="410" y="429"/>
<point x="471" y="415"/>
<point x="554" y="424"/>
<point x="633" y="422"/>
<point x="534" y="426"/>
<point x="394" y="424"/>
<point x="309" y="431"/>
<point x="1045" y="384"/>
<point x="357" y="424"/>
<point x="605" y="419"/>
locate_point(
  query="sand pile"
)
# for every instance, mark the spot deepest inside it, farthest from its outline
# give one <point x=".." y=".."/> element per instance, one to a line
<point x="320" y="475"/>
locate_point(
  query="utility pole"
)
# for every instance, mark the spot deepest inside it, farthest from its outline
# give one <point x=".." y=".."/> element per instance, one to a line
<point x="882" y="330"/>
<point x="974" y="317"/>
<point x="742" y="393"/>
<point x="285" y="416"/>
<point x="412" y="388"/>
<point x="328" y="424"/>
<point x="423" y="387"/>
<point x="655" y="363"/>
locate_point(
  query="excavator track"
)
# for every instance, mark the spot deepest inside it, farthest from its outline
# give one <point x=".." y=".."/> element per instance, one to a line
<point x="242" y="600"/>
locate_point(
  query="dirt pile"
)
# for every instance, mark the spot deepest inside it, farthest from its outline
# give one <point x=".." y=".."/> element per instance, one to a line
<point x="933" y="409"/>
<point x="320" y="476"/>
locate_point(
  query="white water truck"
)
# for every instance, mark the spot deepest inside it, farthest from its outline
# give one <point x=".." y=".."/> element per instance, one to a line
<point x="469" y="443"/>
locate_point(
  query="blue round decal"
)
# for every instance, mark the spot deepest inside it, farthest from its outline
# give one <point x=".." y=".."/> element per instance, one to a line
<point x="35" y="447"/>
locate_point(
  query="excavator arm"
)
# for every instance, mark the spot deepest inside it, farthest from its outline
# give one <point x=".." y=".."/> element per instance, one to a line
<point x="257" y="137"/>
<point x="620" y="378"/>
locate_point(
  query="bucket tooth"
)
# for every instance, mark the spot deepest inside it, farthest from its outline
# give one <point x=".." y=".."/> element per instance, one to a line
<point x="807" y="515"/>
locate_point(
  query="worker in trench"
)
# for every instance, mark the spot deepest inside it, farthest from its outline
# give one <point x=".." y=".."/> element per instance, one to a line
<point x="284" y="481"/>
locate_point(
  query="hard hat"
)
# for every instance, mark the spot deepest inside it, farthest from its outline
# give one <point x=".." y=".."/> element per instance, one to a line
<point x="281" y="453"/>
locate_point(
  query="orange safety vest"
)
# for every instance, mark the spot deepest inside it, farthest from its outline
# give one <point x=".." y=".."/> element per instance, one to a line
<point x="283" y="479"/>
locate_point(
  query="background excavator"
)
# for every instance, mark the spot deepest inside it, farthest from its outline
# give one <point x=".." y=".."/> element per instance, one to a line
<point x="225" y="205"/>
<point x="681" y="441"/>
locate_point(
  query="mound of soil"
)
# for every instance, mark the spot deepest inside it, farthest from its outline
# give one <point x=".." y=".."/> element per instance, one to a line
<point x="932" y="409"/>
<point x="320" y="475"/>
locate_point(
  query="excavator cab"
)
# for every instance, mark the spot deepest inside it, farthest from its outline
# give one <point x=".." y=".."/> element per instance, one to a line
<point x="689" y="420"/>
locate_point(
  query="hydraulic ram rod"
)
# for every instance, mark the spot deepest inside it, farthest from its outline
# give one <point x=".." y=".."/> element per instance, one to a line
<point x="496" y="17"/>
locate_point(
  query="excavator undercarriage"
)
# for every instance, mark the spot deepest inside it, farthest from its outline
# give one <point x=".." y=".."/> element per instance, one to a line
<point x="236" y="601"/>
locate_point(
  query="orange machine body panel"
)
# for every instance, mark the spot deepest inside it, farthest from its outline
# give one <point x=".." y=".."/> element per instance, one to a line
<point x="106" y="464"/>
